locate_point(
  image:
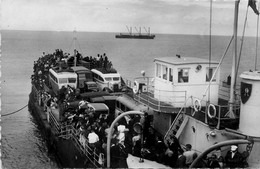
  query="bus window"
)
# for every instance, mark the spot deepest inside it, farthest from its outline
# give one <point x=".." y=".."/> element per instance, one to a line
<point x="100" y="78"/>
<point x="62" y="80"/>
<point x="115" y="78"/>
<point x="71" y="80"/>
<point x="108" y="79"/>
<point x="81" y="76"/>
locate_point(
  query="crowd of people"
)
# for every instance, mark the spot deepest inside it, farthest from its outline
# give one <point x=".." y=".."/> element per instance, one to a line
<point x="65" y="60"/>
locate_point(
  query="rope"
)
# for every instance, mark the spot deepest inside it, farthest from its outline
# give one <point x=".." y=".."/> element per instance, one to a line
<point x="15" y="111"/>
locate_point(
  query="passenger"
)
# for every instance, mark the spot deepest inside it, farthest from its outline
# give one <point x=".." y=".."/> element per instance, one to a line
<point x="136" y="150"/>
<point x="213" y="162"/>
<point x="114" y="152"/>
<point x="233" y="158"/>
<point x="172" y="155"/>
<point x="105" y="61"/>
<point x="92" y="138"/>
<point x="123" y="154"/>
<point x="181" y="161"/>
<point x="159" y="149"/>
<point x="189" y="154"/>
<point x="62" y="94"/>
<point x="121" y="133"/>
<point x="150" y="140"/>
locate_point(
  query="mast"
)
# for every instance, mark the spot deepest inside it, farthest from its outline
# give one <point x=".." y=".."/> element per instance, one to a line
<point x="74" y="47"/>
<point x="234" y="62"/>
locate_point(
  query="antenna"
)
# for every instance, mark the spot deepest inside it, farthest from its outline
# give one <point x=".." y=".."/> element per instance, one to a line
<point x="74" y="38"/>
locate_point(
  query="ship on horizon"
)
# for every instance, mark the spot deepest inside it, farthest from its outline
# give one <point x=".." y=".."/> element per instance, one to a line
<point x="138" y="35"/>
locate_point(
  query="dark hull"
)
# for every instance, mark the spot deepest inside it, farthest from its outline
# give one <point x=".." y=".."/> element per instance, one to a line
<point x="67" y="154"/>
<point x="135" y="36"/>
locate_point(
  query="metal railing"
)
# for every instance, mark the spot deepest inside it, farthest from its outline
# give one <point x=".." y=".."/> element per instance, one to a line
<point x="67" y="131"/>
<point x="224" y="92"/>
<point x="164" y="99"/>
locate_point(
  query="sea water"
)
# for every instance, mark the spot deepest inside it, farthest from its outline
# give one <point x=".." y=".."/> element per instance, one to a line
<point x="23" y="145"/>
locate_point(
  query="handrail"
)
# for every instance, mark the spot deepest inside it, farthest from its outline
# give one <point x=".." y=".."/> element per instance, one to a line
<point x="175" y="120"/>
<point x="71" y="133"/>
<point x="218" y="145"/>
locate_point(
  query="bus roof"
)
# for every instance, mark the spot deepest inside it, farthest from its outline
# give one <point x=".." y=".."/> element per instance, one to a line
<point x="80" y="68"/>
<point x="98" y="106"/>
<point x="63" y="74"/>
<point x="105" y="74"/>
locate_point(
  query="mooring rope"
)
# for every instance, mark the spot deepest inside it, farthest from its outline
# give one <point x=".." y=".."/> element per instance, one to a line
<point x="15" y="111"/>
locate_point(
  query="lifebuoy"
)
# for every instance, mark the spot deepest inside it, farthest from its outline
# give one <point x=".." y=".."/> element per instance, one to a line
<point x="214" y="111"/>
<point x="197" y="105"/>
<point x="136" y="87"/>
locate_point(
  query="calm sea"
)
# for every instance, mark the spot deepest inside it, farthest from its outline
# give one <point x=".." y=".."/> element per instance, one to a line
<point x="22" y="143"/>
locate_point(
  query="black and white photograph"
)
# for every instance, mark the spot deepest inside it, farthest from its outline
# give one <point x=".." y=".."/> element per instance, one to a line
<point x="129" y="84"/>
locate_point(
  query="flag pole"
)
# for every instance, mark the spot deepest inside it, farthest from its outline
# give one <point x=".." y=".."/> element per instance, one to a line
<point x="234" y="63"/>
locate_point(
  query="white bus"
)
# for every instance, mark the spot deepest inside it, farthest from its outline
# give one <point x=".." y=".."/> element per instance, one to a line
<point x="58" y="78"/>
<point x="107" y="80"/>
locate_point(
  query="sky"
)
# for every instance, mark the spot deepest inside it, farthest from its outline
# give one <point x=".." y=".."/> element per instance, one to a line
<point x="162" y="16"/>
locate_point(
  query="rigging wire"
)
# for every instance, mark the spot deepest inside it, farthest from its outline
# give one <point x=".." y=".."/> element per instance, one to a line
<point x="241" y="46"/>
<point x="220" y="62"/>
<point x="257" y="38"/>
<point x="210" y="27"/>
<point x="15" y="111"/>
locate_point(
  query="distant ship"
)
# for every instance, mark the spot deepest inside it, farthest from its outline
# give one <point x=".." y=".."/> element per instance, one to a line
<point x="137" y="35"/>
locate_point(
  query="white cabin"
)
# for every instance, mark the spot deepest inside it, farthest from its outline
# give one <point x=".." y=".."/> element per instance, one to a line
<point x="178" y="78"/>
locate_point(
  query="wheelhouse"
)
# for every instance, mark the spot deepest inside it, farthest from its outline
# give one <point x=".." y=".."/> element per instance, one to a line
<point x="182" y="77"/>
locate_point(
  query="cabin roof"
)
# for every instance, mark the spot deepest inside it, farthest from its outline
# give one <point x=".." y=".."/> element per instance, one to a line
<point x="174" y="60"/>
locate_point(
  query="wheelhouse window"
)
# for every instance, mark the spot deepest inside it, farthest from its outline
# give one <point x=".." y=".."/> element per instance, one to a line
<point x="183" y="75"/>
<point x="165" y="71"/>
<point x="158" y="70"/>
<point x="170" y="75"/>
<point x="209" y="73"/>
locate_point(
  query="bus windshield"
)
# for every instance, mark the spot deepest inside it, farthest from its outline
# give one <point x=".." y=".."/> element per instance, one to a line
<point x="108" y="78"/>
<point x="62" y="80"/>
<point x="72" y="80"/>
<point x="115" y="78"/>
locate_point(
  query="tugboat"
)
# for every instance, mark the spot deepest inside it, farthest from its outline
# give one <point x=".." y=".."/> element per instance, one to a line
<point x="210" y="119"/>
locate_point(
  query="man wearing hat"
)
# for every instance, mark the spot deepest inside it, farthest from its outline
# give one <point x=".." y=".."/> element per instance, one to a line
<point x="233" y="157"/>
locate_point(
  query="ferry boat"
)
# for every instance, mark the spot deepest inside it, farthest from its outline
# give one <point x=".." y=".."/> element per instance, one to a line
<point x="195" y="107"/>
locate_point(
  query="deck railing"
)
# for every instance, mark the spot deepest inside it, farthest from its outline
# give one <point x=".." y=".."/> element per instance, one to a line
<point x="163" y="102"/>
<point x="67" y="131"/>
<point x="224" y="92"/>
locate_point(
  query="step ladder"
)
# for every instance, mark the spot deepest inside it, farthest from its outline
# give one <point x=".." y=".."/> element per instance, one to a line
<point x="177" y="126"/>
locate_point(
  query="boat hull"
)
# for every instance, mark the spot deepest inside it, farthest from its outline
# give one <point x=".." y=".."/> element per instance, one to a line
<point x="67" y="154"/>
<point x="135" y="36"/>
